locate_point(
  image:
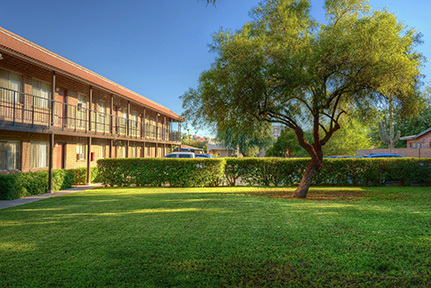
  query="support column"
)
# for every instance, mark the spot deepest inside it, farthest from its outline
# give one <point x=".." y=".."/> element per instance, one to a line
<point x="157" y="148"/>
<point x="164" y="129"/>
<point x="111" y="126"/>
<point x="127" y="148"/>
<point x="141" y="130"/>
<point x="145" y="126"/>
<point x="111" y="144"/>
<point x="50" y="162"/>
<point x="128" y="121"/>
<point x="51" y="122"/>
<point x="89" y="161"/>
<point x="90" y="104"/>
<point x="157" y="127"/>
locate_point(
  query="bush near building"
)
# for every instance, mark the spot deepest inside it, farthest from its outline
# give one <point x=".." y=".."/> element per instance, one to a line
<point x="19" y="185"/>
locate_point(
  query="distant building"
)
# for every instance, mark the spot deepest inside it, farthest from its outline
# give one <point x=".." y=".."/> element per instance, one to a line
<point x="421" y="140"/>
<point x="276" y="130"/>
<point x="218" y="149"/>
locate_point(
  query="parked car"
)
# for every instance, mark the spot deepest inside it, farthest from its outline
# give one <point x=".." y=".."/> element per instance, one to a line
<point x="203" y="156"/>
<point x="382" y="155"/>
<point x="180" y="155"/>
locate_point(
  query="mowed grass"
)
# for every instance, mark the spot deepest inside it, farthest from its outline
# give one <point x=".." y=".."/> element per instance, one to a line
<point x="220" y="237"/>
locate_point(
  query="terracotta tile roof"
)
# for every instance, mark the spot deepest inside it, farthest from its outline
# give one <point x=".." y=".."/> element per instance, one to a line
<point x="17" y="44"/>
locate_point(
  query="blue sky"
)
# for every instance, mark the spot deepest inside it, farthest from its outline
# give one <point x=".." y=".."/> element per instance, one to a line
<point x="157" y="48"/>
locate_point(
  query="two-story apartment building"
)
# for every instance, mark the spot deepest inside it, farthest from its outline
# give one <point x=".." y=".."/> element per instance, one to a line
<point x="56" y="114"/>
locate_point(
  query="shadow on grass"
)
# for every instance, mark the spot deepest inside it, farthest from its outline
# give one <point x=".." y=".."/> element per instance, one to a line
<point x="197" y="237"/>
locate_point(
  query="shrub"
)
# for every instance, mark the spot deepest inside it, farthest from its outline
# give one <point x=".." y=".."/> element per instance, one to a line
<point x="161" y="171"/>
<point x="261" y="171"/>
<point x="18" y="185"/>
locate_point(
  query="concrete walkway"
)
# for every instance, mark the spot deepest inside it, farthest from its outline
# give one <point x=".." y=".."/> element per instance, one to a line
<point x="16" y="202"/>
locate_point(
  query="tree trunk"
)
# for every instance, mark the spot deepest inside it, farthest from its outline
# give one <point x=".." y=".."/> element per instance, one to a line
<point x="304" y="185"/>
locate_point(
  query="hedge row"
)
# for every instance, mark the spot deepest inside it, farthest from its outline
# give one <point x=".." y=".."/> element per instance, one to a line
<point x="262" y="171"/>
<point x="336" y="172"/>
<point x="18" y="185"/>
<point x="161" y="172"/>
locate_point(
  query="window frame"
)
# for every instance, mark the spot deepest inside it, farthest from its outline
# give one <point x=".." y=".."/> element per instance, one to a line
<point x="40" y="164"/>
<point x="40" y="101"/>
<point x="6" y="154"/>
<point x="10" y="90"/>
<point x="81" y="150"/>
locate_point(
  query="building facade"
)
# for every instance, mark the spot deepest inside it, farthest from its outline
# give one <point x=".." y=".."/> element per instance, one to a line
<point x="421" y="140"/>
<point x="55" y="114"/>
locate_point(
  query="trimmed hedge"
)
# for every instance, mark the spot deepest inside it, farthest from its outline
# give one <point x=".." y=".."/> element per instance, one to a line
<point x="161" y="171"/>
<point x="262" y="171"/>
<point x="19" y="185"/>
<point x="336" y="172"/>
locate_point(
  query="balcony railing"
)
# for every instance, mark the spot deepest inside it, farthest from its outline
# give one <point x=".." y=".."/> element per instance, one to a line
<point x="35" y="111"/>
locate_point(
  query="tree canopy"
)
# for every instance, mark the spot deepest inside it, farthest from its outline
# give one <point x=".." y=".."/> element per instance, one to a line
<point x="285" y="67"/>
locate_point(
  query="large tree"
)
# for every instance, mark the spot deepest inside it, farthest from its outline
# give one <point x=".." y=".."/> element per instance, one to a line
<point x="285" y="67"/>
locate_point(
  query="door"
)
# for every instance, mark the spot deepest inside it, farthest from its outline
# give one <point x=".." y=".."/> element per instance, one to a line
<point x="61" y="108"/>
<point x="60" y="155"/>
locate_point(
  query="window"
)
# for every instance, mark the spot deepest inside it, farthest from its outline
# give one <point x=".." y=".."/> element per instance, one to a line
<point x="80" y="152"/>
<point x="122" y="121"/>
<point x="102" y="119"/>
<point x="41" y="92"/>
<point x="133" y="124"/>
<point x="122" y="152"/>
<point x="39" y="154"/>
<point x="12" y="83"/>
<point x="81" y="113"/>
<point x="416" y="145"/>
<point x="82" y="100"/>
<point x="134" y="152"/>
<point x="152" y="130"/>
<point x="9" y="155"/>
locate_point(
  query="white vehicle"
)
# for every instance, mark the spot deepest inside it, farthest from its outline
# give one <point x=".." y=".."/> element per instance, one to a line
<point x="180" y="155"/>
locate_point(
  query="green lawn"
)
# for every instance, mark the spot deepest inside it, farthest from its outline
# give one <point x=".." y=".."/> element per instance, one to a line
<point x="220" y="237"/>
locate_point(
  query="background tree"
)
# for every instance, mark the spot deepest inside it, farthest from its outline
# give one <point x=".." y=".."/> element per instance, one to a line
<point x="287" y="142"/>
<point x="285" y="67"/>
<point x="417" y="120"/>
<point x="351" y="137"/>
<point x="249" y="141"/>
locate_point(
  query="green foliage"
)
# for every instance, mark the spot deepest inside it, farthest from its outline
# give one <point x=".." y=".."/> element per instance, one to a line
<point x="386" y="132"/>
<point x="284" y="67"/>
<point x="287" y="142"/>
<point x="19" y="185"/>
<point x="351" y="137"/>
<point x="160" y="171"/>
<point x="249" y="140"/>
<point x="261" y="171"/>
<point x="410" y="126"/>
<point x="195" y="143"/>
<point x="335" y="172"/>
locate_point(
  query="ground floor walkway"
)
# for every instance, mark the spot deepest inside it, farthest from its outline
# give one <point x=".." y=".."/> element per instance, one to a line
<point x="17" y="202"/>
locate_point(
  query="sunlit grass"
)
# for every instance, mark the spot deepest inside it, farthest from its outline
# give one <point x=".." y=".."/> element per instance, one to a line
<point x="220" y="237"/>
